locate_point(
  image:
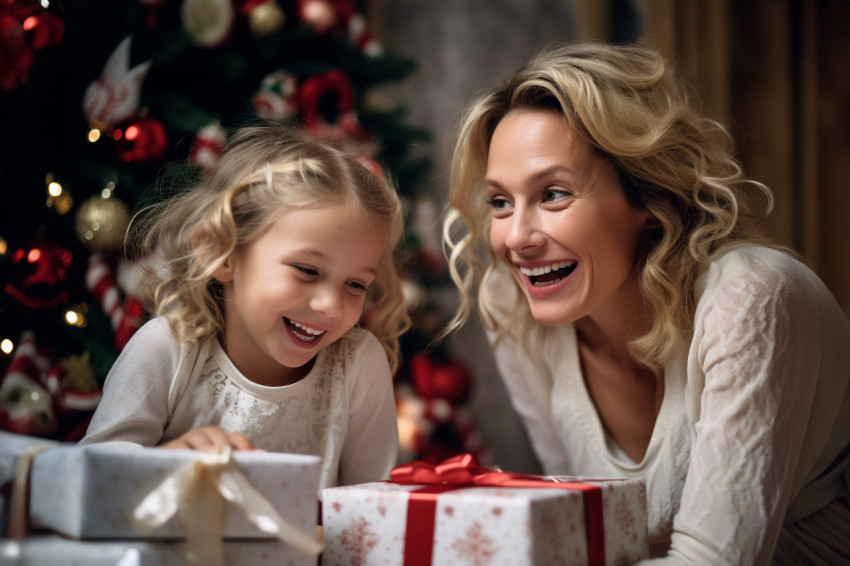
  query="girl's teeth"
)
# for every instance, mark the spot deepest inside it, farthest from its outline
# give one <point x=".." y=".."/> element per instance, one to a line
<point x="306" y="332"/>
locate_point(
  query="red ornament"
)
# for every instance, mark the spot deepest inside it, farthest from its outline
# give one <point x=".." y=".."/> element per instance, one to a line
<point x="24" y="28"/>
<point x="335" y="83"/>
<point x="143" y="140"/>
<point x="433" y="379"/>
<point x="323" y="15"/>
<point x="43" y="29"/>
<point x="37" y="271"/>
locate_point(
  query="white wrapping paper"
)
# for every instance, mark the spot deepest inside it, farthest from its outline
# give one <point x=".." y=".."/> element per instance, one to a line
<point x="366" y="524"/>
<point x="57" y="551"/>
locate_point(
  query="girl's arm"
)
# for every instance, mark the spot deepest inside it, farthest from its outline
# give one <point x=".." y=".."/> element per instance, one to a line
<point x="134" y="407"/>
<point x="371" y="441"/>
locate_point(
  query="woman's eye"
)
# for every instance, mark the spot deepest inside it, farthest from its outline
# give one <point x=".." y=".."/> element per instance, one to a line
<point x="553" y="194"/>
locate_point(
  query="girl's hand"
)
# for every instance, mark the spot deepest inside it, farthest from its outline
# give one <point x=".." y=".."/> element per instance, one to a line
<point x="208" y="438"/>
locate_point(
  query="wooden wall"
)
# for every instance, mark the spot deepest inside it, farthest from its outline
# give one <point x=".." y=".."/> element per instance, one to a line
<point x="777" y="72"/>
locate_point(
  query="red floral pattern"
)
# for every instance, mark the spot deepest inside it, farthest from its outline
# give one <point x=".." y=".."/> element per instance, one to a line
<point x="485" y="526"/>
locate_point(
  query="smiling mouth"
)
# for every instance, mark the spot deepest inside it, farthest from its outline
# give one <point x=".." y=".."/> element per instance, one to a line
<point x="548" y="274"/>
<point x="302" y="331"/>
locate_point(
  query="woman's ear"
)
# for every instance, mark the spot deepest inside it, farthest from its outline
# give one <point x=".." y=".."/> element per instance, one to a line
<point x="224" y="272"/>
<point x="651" y="222"/>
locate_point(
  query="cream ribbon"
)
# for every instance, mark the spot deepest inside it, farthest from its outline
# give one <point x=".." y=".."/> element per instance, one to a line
<point x="19" y="498"/>
<point x="196" y="492"/>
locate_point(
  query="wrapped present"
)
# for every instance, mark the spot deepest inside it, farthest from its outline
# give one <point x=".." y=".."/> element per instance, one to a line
<point x="16" y="452"/>
<point x="116" y="491"/>
<point x="458" y="513"/>
<point x="56" y="550"/>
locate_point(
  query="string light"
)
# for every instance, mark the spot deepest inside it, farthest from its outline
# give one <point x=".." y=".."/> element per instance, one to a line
<point x="6" y="346"/>
<point x="94" y="135"/>
<point x="57" y="196"/>
<point x="29" y="23"/>
<point x="108" y="189"/>
<point x="4" y="247"/>
<point x="75" y="316"/>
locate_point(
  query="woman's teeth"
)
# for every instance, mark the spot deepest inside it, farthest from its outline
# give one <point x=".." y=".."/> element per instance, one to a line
<point x="548" y="274"/>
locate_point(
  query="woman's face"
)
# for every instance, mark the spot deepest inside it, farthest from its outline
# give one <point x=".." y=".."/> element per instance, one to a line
<point x="560" y="220"/>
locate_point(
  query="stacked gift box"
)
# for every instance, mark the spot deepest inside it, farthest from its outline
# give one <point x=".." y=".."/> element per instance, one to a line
<point x="117" y="504"/>
<point x="458" y="514"/>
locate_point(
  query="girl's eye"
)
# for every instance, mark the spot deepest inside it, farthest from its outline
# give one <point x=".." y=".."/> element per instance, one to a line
<point x="306" y="270"/>
<point x="357" y="286"/>
<point x="498" y="203"/>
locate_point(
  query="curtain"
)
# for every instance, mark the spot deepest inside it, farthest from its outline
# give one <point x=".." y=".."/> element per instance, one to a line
<point x="776" y="73"/>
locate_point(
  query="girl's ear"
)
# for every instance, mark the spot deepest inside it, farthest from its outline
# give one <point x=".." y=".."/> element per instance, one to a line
<point x="224" y="272"/>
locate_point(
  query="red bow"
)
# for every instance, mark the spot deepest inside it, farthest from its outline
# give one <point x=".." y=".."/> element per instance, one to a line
<point x="464" y="471"/>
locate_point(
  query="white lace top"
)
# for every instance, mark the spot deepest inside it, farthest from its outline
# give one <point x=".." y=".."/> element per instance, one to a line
<point x="343" y="410"/>
<point x="750" y="433"/>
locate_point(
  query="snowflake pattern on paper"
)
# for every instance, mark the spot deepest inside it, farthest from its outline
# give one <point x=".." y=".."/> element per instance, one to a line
<point x="475" y="548"/>
<point x="358" y="540"/>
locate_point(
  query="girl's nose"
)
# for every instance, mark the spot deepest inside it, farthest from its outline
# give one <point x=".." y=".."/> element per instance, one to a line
<point x="327" y="301"/>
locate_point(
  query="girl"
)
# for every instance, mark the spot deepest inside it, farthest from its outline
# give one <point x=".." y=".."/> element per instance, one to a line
<point x="264" y="271"/>
<point x="643" y="324"/>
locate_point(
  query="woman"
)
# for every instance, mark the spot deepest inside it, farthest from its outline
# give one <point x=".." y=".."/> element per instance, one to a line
<point x="644" y="325"/>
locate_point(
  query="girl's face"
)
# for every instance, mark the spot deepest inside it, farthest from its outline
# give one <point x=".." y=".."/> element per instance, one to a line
<point x="560" y="220"/>
<point x="296" y="289"/>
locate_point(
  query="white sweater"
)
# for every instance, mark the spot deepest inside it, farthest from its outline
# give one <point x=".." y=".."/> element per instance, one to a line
<point x="753" y="413"/>
<point x="343" y="410"/>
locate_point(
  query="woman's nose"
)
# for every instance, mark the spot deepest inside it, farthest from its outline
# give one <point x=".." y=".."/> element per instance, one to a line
<point x="524" y="232"/>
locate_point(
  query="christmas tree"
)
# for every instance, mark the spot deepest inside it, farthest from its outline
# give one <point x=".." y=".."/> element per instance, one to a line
<point x="101" y="100"/>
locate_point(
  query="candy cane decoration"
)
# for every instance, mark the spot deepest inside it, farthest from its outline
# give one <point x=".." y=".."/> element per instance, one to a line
<point x="125" y="318"/>
<point x="101" y="283"/>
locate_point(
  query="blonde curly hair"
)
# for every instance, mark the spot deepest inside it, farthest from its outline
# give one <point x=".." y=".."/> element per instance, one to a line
<point x="266" y="167"/>
<point x="625" y="103"/>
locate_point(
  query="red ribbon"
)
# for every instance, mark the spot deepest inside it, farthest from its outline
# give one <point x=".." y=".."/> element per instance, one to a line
<point x="463" y="471"/>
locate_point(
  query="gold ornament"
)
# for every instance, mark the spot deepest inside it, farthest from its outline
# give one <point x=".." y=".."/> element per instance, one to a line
<point x="101" y="223"/>
<point x="266" y="19"/>
<point x="79" y="373"/>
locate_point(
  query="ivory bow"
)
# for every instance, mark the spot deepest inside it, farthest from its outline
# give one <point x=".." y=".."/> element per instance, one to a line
<point x="196" y="492"/>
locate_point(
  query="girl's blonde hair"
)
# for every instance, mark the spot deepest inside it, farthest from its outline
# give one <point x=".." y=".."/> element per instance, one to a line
<point x="265" y="169"/>
<point x="624" y="102"/>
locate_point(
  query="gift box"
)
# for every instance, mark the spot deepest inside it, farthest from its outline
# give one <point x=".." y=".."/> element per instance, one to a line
<point x="121" y="492"/>
<point x="58" y="551"/>
<point x="467" y="515"/>
<point x="13" y="449"/>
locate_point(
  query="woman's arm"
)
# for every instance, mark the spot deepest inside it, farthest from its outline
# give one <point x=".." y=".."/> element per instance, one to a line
<point x="754" y="370"/>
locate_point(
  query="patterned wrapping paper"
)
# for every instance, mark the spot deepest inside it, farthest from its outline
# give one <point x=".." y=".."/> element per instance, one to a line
<point x="92" y="492"/>
<point x="55" y="550"/>
<point x="366" y="524"/>
<point x="101" y="486"/>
